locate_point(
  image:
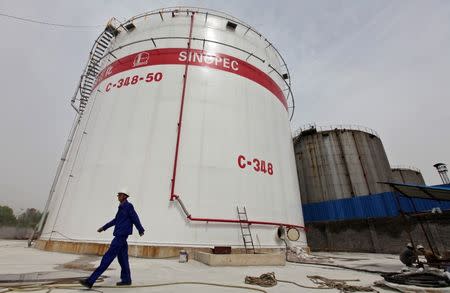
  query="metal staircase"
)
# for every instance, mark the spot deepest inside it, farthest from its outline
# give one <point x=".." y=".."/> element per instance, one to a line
<point x="82" y="94"/>
<point x="245" y="230"/>
<point x="92" y="69"/>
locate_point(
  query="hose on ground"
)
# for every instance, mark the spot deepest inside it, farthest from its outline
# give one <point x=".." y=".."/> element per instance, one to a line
<point x="329" y="265"/>
<point x="341" y="267"/>
<point x="265" y="280"/>
<point x="340" y="285"/>
<point x="269" y="280"/>
<point x="72" y="286"/>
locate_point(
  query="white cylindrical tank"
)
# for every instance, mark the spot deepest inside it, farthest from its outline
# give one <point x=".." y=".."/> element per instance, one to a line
<point x="187" y="103"/>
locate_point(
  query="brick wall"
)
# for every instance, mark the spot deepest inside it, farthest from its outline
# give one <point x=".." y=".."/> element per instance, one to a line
<point x="382" y="235"/>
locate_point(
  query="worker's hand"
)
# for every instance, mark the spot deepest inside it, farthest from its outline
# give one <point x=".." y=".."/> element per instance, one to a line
<point x="100" y="230"/>
<point x="141" y="233"/>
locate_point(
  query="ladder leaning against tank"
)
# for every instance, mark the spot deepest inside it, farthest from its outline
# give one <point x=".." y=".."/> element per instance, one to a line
<point x="245" y="230"/>
<point x="82" y="93"/>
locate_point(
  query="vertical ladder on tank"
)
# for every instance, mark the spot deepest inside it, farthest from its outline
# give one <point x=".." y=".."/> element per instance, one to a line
<point x="245" y="230"/>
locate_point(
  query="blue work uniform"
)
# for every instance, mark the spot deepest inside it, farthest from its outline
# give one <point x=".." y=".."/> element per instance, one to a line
<point x="123" y="223"/>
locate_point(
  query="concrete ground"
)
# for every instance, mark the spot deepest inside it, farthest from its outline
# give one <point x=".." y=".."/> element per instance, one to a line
<point x="366" y="261"/>
<point x="18" y="262"/>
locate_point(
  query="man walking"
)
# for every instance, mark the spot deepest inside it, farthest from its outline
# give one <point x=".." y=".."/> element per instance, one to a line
<point x="125" y="218"/>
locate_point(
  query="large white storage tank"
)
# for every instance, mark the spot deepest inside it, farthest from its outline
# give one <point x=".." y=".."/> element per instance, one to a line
<point x="186" y="104"/>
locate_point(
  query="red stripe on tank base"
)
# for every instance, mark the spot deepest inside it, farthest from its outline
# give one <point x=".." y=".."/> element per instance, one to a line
<point x="196" y="58"/>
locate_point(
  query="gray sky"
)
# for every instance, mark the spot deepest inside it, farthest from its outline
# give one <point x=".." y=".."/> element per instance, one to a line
<point x="381" y="64"/>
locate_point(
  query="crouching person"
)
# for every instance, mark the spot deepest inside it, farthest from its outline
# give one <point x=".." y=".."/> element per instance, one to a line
<point x="409" y="256"/>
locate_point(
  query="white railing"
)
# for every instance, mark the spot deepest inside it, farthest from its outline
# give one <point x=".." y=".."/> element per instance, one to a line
<point x="161" y="13"/>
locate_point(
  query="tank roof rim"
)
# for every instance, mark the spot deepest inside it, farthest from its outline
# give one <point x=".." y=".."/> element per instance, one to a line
<point x="405" y="168"/>
<point x="331" y="128"/>
<point x="186" y="8"/>
<point x="230" y="17"/>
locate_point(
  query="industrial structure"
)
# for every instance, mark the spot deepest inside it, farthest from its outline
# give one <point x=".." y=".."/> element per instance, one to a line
<point x="340" y="162"/>
<point x="442" y="170"/>
<point x="403" y="174"/>
<point x="354" y="201"/>
<point x="189" y="109"/>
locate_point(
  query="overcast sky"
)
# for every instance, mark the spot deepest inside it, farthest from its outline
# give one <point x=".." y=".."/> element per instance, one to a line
<point x="381" y="64"/>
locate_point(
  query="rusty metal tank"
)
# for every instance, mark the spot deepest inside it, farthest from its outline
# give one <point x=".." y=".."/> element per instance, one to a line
<point x="337" y="162"/>
<point x="408" y="175"/>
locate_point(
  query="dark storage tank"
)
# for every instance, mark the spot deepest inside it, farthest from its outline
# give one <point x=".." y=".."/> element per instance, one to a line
<point x="408" y="175"/>
<point x="340" y="162"/>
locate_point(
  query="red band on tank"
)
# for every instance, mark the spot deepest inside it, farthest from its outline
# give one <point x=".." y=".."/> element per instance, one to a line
<point x="196" y="58"/>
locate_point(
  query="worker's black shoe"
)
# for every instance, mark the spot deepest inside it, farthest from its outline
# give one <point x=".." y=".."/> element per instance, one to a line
<point x="123" y="283"/>
<point x="85" y="283"/>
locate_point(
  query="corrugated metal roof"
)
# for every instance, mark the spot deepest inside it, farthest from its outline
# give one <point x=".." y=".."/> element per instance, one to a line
<point x="422" y="191"/>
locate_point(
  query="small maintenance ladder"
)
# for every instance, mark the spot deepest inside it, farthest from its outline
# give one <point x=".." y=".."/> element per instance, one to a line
<point x="245" y="229"/>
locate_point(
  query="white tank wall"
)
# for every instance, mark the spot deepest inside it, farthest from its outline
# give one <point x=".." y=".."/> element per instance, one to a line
<point x="127" y="137"/>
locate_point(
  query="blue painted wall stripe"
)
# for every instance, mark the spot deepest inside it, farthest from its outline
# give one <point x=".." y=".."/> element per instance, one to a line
<point x="369" y="206"/>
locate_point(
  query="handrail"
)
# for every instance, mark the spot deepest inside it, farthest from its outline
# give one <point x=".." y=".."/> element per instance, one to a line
<point x="233" y="221"/>
<point x="335" y="127"/>
<point x="175" y="8"/>
<point x="405" y="167"/>
<point x="90" y="67"/>
<point x="198" y="10"/>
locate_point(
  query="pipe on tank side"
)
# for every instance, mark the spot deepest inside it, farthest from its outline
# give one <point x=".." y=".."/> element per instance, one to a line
<point x="180" y="118"/>
<point x="189" y="216"/>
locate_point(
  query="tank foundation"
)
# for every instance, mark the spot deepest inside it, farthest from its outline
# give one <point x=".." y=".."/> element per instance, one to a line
<point x="144" y="251"/>
<point x="236" y="259"/>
